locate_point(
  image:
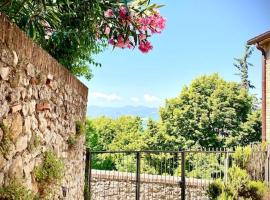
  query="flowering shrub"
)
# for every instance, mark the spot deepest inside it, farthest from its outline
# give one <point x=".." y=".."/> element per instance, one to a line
<point x="135" y="25"/>
<point x="73" y="31"/>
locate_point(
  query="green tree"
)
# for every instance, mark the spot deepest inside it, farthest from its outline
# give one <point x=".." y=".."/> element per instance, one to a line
<point x="208" y="112"/>
<point x="242" y="65"/>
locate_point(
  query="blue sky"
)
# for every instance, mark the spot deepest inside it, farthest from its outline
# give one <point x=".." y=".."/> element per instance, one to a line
<point x="201" y="37"/>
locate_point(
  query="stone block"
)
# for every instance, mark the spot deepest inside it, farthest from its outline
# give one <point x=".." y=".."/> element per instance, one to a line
<point x="4" y="73"/>
<point x="21" y="143"/>
<point x="16" y="168"/>
<point x="16" y="108"/>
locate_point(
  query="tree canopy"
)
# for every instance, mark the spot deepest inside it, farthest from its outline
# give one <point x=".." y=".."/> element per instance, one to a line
<point x="73" y="31"/>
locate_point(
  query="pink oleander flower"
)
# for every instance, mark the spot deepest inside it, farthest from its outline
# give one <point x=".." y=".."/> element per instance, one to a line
<point x="142" y="37"/>
<point x="157" y="24"/>
<point x="109" y="13"/>
<point x="145" y="47"/>
<point x="107" y="30"/>
<point x="123" y="14"/>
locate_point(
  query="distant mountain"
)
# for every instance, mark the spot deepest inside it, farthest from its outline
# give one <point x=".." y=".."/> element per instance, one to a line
<point x="114" y="112"/>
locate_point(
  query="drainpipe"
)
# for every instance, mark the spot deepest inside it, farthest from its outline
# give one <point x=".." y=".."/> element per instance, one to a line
<point x="259" y="47"/>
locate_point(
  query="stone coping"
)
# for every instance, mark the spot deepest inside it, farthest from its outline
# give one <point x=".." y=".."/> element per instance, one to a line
<point x="147" y="178"/>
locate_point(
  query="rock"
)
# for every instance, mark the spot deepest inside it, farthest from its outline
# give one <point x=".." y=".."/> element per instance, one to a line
<point x="2" y="176"/>
<point x="7" y="57"/>
<point x="32" y="107"/>
<point x="21" y="143"/>
<point x="16" y="126"/>
<point x="42" y="106"/>
<point x="42" y="123"/>
<point x="1" y="134"/>
<point x="2" y="161"/>
<point x="4" y="73"/>
<point x="16" y="108"/>
<point x="4" y="109"/>
<point x="15" y="58"/>
<point x="25" y="109"/>
<point x="16" y="168"/>
<point x="30" y="70"/>
<point x="27" y="125"/>
<point x="16" y="80"/>
<point x="34" y="123"/>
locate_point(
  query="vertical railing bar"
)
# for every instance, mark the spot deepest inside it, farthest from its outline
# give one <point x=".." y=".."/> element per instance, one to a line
<point x="88" y="174"/>
<point x="138" y="171"/>
<point x="183" y="178"/>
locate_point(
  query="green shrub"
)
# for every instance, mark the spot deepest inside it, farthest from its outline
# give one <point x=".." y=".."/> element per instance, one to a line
<point x="239" y="186"/>
<point x="5" y="143"/>
<point x="80" y="128"/>
<point x="242" y="156"/>
<point x="256" y="190"/>
<point x="215" y="189"/>
<point x="15" y="191"/>
<point x="51" y="170"/>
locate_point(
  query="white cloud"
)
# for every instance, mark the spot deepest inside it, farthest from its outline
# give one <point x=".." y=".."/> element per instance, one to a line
<point x="135" y="99"/>
<point x="104" y="96"/>
<point x="150" y="98"/>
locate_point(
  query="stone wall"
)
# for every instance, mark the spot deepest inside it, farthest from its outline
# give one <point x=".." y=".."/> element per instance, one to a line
<point x="109" y="185"/>
<point x="40" y="101"/>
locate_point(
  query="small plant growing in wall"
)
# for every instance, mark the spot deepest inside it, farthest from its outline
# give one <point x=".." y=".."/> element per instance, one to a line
<point x="5" y="143"/>
<point x="72" y="141"/>
<point x="80" y="128"/>
<point x="49" y="172"/>
<point x="15" y="191"/>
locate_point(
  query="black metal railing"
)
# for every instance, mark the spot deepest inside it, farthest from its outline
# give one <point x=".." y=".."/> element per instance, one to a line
<point x="159" y="175"/>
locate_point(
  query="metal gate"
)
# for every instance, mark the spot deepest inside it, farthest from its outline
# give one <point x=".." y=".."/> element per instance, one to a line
<point x="154" y="175"/>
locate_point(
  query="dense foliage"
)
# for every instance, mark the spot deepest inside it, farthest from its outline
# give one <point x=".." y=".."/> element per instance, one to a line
<point x="73" y="31"/>
<point x="210" y="112"/>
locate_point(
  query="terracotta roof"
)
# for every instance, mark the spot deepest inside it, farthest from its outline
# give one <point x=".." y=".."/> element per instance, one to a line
<point x="260" y="38"/>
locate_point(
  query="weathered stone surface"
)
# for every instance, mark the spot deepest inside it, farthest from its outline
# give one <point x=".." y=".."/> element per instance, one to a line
<point x="1" y="134"/>
<point x="16" y="80"/>
<point x="16" y="126"/>
<point x="35" y="103"/>
<point x="2" y="161"/>
<point x="16" y="168"/>
<point x="21" y="143"/>
<point x="42" y="106"/>
<point x="4" y="73"/>
<point x="7" y="56"/>
<point x="30" y="70"/>
<point x="16" y="108"/>
<point x="15" y="58"/>
<point x="42" y="123"/>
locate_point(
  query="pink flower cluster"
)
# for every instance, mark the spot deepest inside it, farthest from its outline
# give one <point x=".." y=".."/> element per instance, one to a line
<point x="154" y="22"/>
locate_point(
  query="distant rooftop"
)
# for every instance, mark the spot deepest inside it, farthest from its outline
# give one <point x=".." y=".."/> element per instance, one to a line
<point x="263" y="38"/>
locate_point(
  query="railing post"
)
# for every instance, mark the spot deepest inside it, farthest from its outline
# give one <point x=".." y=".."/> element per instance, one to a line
<point x="88" y="167"/>
<point x="183" y="176"/>
<point x="138" y="173"/>
<point x="226" y="166"/>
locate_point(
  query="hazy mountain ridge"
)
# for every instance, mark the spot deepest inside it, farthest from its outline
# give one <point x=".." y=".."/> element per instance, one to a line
<point x="114" y="112"/>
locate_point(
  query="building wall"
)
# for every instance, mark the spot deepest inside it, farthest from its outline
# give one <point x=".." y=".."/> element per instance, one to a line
<point x="267" y="48"/>
<point x="40" y="100"/>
